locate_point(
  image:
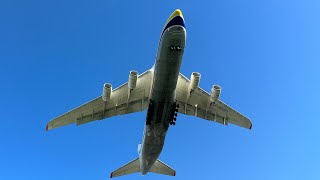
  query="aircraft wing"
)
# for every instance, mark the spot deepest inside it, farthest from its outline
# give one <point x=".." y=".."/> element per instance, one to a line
<point x="118" y="104"/>
<point x="199" y="104"/>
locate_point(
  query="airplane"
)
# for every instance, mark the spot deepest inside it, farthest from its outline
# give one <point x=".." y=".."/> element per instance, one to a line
<point x="163" y="92"/>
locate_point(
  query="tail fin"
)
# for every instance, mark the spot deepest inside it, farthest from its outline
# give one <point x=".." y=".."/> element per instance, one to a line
<point x="139" y="148"/>
<point x="131" y="167"/>
<point x="161" y="168"/>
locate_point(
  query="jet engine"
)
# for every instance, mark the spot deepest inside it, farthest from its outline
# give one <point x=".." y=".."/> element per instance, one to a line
<point x="194" y="81"/>
<point x="106" y="92"/>
<point x="215" y="93"/>
<point x="133" y="77"/>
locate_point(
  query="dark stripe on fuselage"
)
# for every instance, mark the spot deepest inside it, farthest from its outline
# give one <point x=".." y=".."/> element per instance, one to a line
<point x="178" y="20"/>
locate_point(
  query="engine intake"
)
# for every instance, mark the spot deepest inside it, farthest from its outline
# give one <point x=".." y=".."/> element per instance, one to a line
<point x="194" y="81"/>
<point x="133" y="78"/>
<point x="106" y="92"/>
<point x="215" y="93"/>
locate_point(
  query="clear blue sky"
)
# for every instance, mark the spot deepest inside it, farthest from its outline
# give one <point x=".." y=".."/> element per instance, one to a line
<point x="56" y="55"/>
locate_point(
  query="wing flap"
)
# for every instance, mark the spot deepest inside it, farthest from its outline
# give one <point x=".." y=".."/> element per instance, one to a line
<point x="198" y="104"/>
<point x="119" y="104"/>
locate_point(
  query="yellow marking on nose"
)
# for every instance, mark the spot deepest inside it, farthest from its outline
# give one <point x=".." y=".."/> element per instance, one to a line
<point x="177" y="12"/>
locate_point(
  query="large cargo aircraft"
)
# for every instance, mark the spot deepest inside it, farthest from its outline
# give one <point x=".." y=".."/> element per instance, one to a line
<point x="163" y="91"/>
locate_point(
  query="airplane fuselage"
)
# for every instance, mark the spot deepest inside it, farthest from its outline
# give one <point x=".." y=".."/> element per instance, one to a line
<point x="162" y="96"/>
<point x="160" y="90"/>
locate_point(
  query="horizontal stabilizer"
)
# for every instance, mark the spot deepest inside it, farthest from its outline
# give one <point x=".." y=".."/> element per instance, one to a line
<point x="131" y="167"/>
<point x="161" y="168"/>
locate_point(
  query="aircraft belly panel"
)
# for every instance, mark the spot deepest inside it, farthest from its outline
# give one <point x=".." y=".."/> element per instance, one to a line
<point x="168" y="62"/>
<point x="165" y="77"/>
<point x="152" y="145"/>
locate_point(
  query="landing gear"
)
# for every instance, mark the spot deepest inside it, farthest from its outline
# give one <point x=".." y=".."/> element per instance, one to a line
<point x="149" y="113"/>
<point x="174" y="113"/>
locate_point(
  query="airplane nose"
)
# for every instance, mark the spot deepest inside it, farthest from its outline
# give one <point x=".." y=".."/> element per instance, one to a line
<point x="177" y="12"/>
<point x="176" y="18"/>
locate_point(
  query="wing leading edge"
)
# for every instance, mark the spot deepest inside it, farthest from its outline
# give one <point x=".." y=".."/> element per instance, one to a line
<point x="198" y="104"/>
<point x="120" y="103"/>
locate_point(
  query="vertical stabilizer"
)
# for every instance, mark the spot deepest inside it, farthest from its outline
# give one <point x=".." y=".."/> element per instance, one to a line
<point x="139" y="148"/>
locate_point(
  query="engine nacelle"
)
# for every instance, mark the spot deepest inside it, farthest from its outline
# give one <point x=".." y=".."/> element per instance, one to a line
<point x="194" y="81"/>
<point x="133" y="77"/>
<point x="106" y="92"/>
<point x="215" y="93"/>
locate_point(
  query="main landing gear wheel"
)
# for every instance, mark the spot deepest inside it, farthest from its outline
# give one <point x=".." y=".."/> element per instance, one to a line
<point x="174" y="113"/>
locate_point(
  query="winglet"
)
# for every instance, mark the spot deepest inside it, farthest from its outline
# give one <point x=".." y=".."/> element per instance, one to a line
<point x="111" y="175"/>
<point x="250" y="126"/>
<point x="47" y="127"/>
